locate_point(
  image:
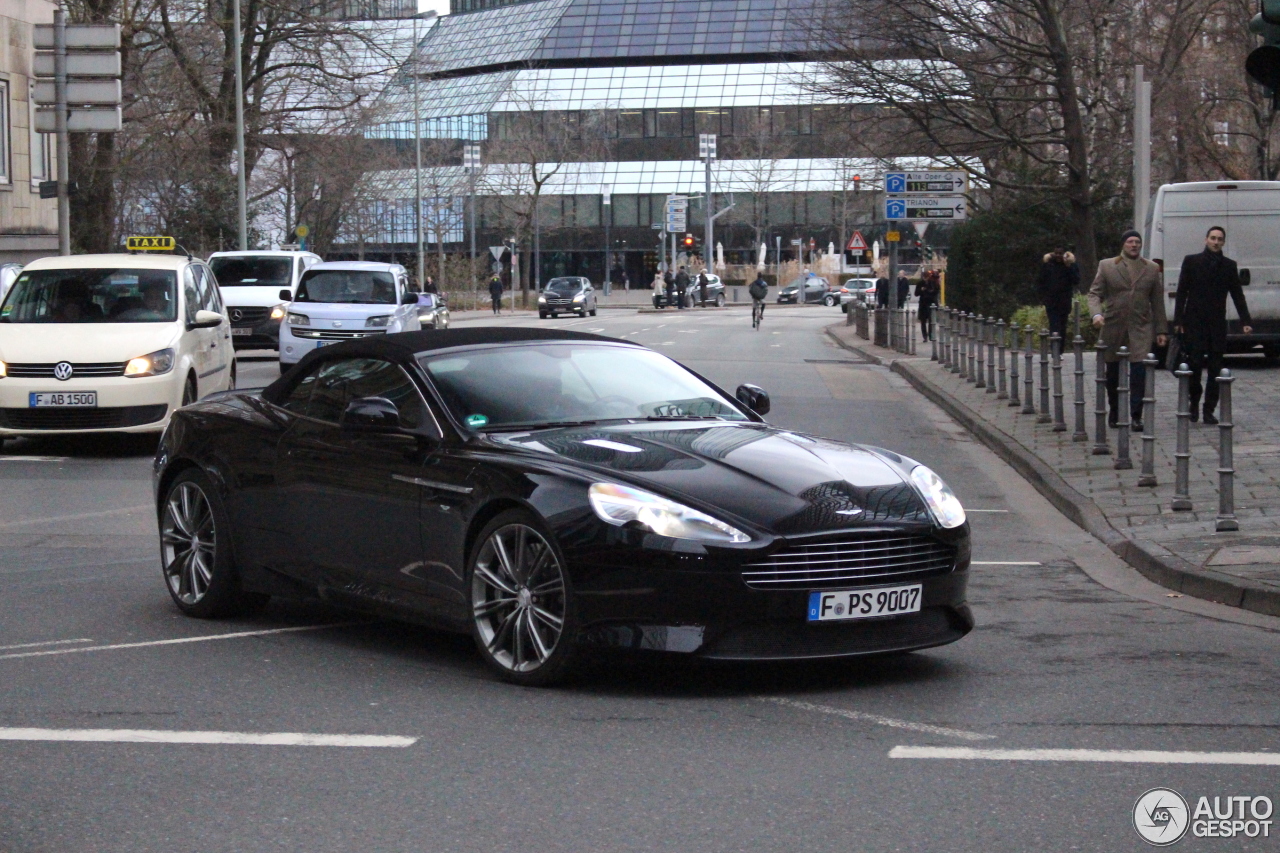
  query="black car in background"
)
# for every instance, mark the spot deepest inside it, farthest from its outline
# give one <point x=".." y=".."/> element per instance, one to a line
<point x="806" y="288"/>
<point x="693" y="295"/>
<point x="567" y="295"/>
<point x="549" y="492"/>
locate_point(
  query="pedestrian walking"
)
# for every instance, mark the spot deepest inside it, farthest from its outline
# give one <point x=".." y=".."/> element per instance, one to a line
<point x="1200" y="316"/>
<point x="495" y="292"/>
<point x="1058" y="280"/>
<point x="1127" y="303"/>
<point x="626" y="281"/>
<point x="904" y="290"/>
<point x="682" y="287"/>
<point x="429" y="286"/>
<point x="703" y="283"/>
<point x="660" y="289"/>
<point x="882" y="292"/>
<point x="927" y="292"/>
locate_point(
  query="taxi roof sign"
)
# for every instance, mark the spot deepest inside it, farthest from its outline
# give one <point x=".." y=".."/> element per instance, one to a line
<point x="150" y="244"/>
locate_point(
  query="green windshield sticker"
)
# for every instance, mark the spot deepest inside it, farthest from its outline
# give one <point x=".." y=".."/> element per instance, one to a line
<point x="475" y="421"/>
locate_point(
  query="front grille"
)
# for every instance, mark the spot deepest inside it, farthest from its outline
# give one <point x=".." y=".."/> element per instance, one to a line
<point x="933" y="626"/>
<point x="45" y="371"/>
<point x="850" y="557"/>
<point x="76" y="418"/>
<point x="324" y="335"/>
<point x="248" y="316"/>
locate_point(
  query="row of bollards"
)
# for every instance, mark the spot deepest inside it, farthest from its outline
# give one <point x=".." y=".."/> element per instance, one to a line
<point x="975" y="348"/>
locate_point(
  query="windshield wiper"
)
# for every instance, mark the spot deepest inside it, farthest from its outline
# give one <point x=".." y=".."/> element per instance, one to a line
<point x="683" y="418"/>
<point x="536" y="425"/>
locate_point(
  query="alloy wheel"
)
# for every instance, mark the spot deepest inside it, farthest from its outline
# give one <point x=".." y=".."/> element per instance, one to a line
<point x="518" y="598"/>
<point x="188" y="541"/>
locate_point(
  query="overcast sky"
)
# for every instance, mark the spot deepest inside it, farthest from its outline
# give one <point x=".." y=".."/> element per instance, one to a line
<point x="440" y="7"/>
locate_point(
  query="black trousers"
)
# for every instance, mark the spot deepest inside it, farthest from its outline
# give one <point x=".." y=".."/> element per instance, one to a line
<point x="497" y="303"/>
<point x="1058" y="315"/>
<point x="926" y="322"/>
<point x="1211" y="361"/>
<point x="1137" y="385"/>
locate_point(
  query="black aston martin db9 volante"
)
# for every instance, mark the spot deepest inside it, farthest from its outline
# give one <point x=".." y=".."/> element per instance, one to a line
<point x="550" y="491"/>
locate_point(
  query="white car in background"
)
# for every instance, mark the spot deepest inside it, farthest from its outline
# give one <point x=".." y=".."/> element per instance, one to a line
<point x="251" y="283"/>
<point x="342" y="300"/>
<point x="110" y="343"/>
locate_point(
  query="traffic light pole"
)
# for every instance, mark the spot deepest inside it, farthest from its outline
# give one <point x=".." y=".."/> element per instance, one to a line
<point x="60" y="96"/>
<point x="891" y="292"/>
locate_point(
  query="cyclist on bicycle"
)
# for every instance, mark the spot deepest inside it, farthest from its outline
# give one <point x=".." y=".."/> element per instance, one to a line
<point x="759" y="290"/>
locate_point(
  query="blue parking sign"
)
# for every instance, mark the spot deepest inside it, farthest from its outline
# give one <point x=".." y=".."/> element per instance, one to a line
<point x="895" y="208"/>
<point x="895" y="182"/>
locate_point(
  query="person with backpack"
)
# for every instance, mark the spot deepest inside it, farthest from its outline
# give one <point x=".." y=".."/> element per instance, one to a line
<point x="759" y="290"/>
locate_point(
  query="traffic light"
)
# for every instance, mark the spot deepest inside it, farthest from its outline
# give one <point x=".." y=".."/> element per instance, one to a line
<point x="688" y="242"/>
<point x="1263" y="63"/>
<point x="928" y="253"/>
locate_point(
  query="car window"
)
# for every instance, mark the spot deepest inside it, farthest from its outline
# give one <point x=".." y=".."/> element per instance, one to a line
<point x="205" y="283"/>
<point x="339" y="382"/>
<point x="90" y="295"/>
<point x="299" y="399"/>
<point x="252" y="271"/>
<point x="351" y="287"/>
<point x="190" y="295"/>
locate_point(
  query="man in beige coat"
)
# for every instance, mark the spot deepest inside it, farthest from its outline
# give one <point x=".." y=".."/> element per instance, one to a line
<point x="1127" y="303"/>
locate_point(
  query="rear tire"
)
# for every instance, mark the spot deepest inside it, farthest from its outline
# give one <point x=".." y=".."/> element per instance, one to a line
<point x="720" y="300"/>
<point x="593" y="312"/>
<point x="231" y="383"/>
<point x="828" y="301"/>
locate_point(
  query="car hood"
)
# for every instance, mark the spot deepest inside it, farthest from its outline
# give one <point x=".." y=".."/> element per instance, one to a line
<point x="785" y="482"/>
<point x="81" y="343"/>
<point x="250" y="296"/>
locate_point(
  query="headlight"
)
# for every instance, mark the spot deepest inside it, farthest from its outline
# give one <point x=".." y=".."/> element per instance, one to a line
<point x="380" y="320"/>
<point x="152" y="364"/>
<point x="298" y="319"/>
<point x="542" y="299"/>
<point x="942" y="502"/>
<point x="579" y="297"/>
<point x="621" y="505"/>
<point x="279" y="311"/>
<point x="4" y="370"/>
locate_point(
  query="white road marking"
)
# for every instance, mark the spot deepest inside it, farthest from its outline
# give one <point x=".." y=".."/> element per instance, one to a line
<point x="966" y="509"/>
<point x="996" y="563"/>
<point x="238" y="738"/>
<point x="1122" y="756"/>
<point x="35" y="458"/>
<point x="45" y="643"/>
<point x="202" y="639"/>
<point x="77" y="516"/>
<point x="875" y="718"/>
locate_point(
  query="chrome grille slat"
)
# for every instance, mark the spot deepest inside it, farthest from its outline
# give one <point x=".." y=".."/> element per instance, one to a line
<point x="45" y="371"/>
<point x="336" y="335"/>
<point x="844" y="559"/>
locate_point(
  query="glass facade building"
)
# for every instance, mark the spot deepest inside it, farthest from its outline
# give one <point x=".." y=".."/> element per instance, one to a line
<point x="617" y="93"/>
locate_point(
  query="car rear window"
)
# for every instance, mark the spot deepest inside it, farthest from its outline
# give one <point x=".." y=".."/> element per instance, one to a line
<point x="262" y="271"/>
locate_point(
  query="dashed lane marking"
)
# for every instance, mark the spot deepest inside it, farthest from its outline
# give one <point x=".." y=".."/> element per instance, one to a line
<point x="1003" y="563"/>
<point x="179" y="641"/>
<point x="237" y="738"/>
<point x="985" y="510"/>
<point x="924" y="728"/>
<point x="76" y="516"/>
<point x="1122" y="756"/>
<point x="45" y="643"/>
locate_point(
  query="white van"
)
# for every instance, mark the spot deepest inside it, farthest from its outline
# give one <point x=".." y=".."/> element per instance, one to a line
<point x="251" y="283"/>
<point x="1249" y="211"/>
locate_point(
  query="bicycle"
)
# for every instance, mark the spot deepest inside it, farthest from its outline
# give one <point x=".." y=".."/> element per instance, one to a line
<point x="757" y="313"/>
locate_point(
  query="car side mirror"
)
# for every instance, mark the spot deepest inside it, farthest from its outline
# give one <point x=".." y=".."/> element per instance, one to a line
<point x="371" y="414"/>
<point x="409" y="298"/>
<point x="205" y="320"/>
<point x="1245" y="277"/>
<point x="285" y="295"/>
<point x="754" y="398"/>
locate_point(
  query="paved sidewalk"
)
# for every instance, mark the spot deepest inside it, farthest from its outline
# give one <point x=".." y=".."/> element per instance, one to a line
<point x="1179" y="550"/>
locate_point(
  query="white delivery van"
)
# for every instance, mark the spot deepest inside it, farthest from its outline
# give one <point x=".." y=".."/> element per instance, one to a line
<point x="251" y="283"/>
<point x="1250" y="212"/>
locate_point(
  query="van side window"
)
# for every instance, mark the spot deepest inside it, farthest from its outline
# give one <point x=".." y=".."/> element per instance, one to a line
<point x="209" y="297"/>
<point x="190" y="294"/>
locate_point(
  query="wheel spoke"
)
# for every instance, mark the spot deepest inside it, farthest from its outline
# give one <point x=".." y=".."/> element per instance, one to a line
<point x="500" y="635"/>
<point x="539" y="647"/>
<point x="547" y="616"/>
<point x="176" y="514"/>
<point x="491" y="606"/>
<point x="493" y="580"/>
<point x="504" y="561"/>
<point x="555" y="584"/>
<point x="518" y="642"/>
<point x="538" y="564"/>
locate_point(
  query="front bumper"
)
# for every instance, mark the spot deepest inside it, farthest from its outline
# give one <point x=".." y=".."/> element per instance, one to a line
<point x="124" y="405"/>
<point x="261" y="335"/>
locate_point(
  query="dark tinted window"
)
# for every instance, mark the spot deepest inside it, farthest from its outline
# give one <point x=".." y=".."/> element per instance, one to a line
<point x="92" y="296"/>
<point x="336" y="383"/>
<point x="349" y="287"/>
<point x="252" y="271"/>
<point x="564" y="285"/>
<point x="299" y="399"/>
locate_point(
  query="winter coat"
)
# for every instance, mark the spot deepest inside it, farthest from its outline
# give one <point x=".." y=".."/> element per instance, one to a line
<point x="1201" y="304"/>
<point x="904" y="290"/>
<point x="495" y="287"/>
<point x="682" y="282"/>
<point x="1132" y="309"/>
<point x="659" y="284"/>
<point x="1058" y="281"/>
<point x="926" y="294"/>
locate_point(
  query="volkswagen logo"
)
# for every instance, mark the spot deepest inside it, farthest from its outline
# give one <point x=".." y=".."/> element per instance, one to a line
<point x="62" y="371"/>
<point x="337" y="324"/>
<point x="236" y="315"/>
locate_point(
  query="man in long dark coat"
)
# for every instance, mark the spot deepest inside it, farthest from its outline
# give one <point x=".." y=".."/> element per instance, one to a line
<point x="1200" y="316"/>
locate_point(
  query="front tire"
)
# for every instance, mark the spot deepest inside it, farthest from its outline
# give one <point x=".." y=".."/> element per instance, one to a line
<point x="720" y="300"/>
<point x="522" y="609"/>
<point x="593" y="312"/>
<point x="195" y="551"/>
<point x="828" y="301"/>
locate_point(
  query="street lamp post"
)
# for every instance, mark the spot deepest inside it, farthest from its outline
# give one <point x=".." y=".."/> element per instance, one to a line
<point x="242" y="203"/>
<point x="471" y="160"/>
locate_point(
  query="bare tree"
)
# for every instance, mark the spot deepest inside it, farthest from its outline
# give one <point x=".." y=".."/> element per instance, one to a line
<point x="758" y="171"/>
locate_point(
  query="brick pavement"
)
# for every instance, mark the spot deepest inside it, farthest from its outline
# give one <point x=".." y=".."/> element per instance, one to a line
<point x="1178" y="549"/>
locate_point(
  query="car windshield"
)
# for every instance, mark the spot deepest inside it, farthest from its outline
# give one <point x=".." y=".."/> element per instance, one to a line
<point x="255" y="271"/>
<point x="350" y="287"/>
<point x="540" y="384"/>
<point x="564" y="285"/>
<point x="92" y="296"/>
<point x="426" y="300"/>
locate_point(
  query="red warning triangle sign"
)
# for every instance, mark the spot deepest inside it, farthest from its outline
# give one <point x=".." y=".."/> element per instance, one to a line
<point x="857" y="243"/>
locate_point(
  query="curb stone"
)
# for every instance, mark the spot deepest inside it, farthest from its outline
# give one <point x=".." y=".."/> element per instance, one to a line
<point x="1151" y="560"/>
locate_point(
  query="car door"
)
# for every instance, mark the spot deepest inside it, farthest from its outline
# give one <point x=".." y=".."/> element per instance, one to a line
<point x="217" y="374"/>
<point x="195" y="343"/>
<point x="353" y="496"/>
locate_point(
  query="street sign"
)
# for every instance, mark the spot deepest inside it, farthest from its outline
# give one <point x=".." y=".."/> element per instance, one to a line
<point x="795" y="241"/>
<point x="857" y="243"/>
<point x="706" y="146"/>
<point x="302" y="231"/>
<point x="80" y="92"/>
<point x="79" y="37"/>
<point x="928" y="208"/>
<point x="79" y="65"/>
<point x="149" y="244"/>
<point x="497" y="251"/>
<point x="677" y="223"/>
<point x="93" y="105"/>
<point x="926" y="182"/>
<point x="471" y="157"/>
<point x="892" y="237"/>
<point x="96" y="120"/>
<point x="496" y="267"/>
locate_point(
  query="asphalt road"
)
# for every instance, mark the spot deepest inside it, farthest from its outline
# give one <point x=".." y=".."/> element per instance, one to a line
<point x="1072" y="651"/>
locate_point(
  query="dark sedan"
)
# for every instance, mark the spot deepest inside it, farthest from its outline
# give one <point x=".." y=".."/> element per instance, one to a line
<point x="806" y="288"/>
<point x="549" y="492"/>
<point x="567" y="295"/>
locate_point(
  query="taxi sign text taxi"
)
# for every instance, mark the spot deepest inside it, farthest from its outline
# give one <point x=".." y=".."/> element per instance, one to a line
<point x="149" y="244"/>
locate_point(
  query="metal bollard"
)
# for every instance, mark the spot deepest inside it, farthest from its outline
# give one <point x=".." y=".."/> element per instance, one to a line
<point x="974" y="320"/>
<point x="1081" y="434"/>
<point x="1123" y="462"/>
<point x="991" y="356"/>
<point x="1002" y="392"/>
<point x="933" y="332"/>
<point x="1100" y="446"/>
<point x="962" y="354"/>
<point x="913" y="321"/>
<point x="1029" y="375"/>
<point x="1014" y="341"/>
<point x="1226" y="467"/>
<point x="980" y="380"/>
<point x="1182" y="453"/>
<point x="1148" y="476"/>
<point x="1046" y="416"/>
<point x="1055" y="348"/>
<point x="947" y="335"/>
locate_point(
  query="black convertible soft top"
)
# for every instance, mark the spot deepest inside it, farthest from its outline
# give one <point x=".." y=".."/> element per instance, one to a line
<point x="403" y="347"/>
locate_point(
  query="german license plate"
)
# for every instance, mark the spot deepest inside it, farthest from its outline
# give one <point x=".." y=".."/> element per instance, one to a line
<point x="244" y="331"/>
<point x="62" y="399"/>
<point x="864" y="603"/>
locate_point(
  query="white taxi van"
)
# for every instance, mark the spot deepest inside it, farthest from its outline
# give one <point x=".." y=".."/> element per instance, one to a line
<point x="110" y="343"/>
